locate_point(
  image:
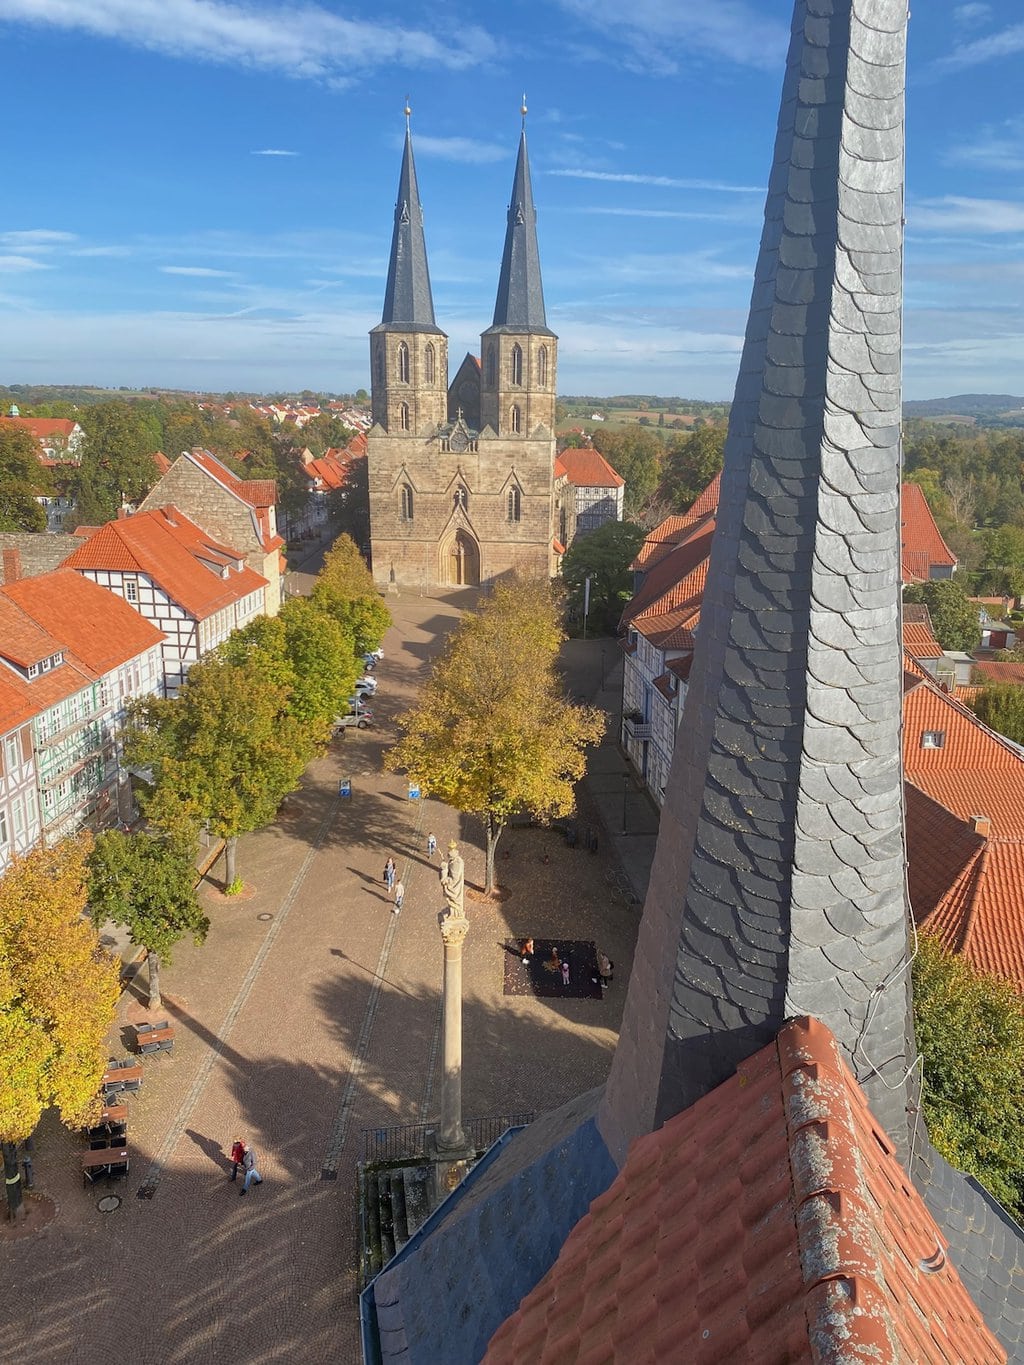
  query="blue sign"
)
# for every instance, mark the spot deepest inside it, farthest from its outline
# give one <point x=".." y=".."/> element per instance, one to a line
<point x="414" y="791"/>
<point x="345" y="787"/>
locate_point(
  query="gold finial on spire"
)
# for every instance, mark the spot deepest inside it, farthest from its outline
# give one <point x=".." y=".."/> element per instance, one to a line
<point x="408" y="113"/>
<point x="523" y="109"/>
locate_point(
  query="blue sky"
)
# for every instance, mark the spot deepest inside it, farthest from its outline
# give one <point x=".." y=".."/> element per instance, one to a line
<point x="199" y="193"/>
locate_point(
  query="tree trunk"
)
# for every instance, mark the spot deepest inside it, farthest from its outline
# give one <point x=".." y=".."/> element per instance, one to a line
<point x="15" y="1206"/>
<point x="230" y="850"/>
<point x="494" y="829"/>
<point x="154" y="980"/>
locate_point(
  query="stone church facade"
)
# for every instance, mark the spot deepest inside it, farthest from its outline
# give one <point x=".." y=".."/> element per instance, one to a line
<point x="462" y="479"/>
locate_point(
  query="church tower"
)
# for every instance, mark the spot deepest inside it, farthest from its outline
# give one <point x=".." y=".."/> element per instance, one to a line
<point x="408" y="351"/>
<point x="518" y="352"/>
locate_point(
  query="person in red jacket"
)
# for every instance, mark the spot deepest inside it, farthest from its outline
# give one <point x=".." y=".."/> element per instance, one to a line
<point x="237" y="1153"/>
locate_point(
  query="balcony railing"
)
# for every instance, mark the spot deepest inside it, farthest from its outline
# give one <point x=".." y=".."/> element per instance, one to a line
<point x="639" y="730"/>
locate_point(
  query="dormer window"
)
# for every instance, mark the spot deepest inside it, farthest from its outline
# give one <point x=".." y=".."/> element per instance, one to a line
<point x="33" y="670"/>
<point x="933" y="739"/>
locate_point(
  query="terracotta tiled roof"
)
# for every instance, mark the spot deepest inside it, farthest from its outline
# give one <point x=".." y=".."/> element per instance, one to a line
<point x="967" y="744"/>
<point x="97" y="626"/>
<point x="681" y="667"/>
<point x="256" y="492"/>
<point x="921" y="542"/>
<point x="991" y="670"/>
<point x="559" y="468"/>
<point x="175" y="553"/>
<point x="16" y="707"/>
<point x="41" y="427"/>
<point x="587" y="468"/>
<point x="23" y="641"/>
<point x="676" y="578"/>
<point x="771" y="1221"/>
<point x="161" y="461"/>
<point x="329" y="470"/>
<point x="919" y="640"/>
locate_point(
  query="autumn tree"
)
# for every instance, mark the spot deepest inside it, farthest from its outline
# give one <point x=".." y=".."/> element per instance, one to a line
<point x="953" y="615"/>
<point x="493" y="732"/>
<point x="224" y="753"/>
<point x="148" y="885"/>
<point x="58" y="989"/>
<point x="345" y="589"/>
<point x="603" y="556"/>
<point x="970" y="1033"/>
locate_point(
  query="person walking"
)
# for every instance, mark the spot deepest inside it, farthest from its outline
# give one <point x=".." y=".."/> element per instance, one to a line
<point x="389" y="873"/>
<point x="399" y="896"/>
<point x="527" y="951"/>
<point x="431" y="846"/>
<point x="237" y="1153"/>
<point x="605" y="968"/>
<point x="565" y="971"/>
<point x="252" y="1175"/>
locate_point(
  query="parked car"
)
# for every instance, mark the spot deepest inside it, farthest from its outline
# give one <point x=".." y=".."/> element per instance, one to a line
<point x="367" y="685"/>
<point x="375" y="654"/>
<point x="358" y="704"/>
<point x="355" y="720"/>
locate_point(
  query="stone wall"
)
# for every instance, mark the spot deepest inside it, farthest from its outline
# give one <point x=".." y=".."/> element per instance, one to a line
<point x="37" y="553"/>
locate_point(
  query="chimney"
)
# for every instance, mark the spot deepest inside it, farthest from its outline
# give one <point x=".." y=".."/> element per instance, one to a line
<point x="982" y="825"/>
<point x="12" y="565"/>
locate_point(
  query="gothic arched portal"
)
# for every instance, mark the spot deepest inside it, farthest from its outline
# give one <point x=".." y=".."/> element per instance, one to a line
<point x="460" y="561"/>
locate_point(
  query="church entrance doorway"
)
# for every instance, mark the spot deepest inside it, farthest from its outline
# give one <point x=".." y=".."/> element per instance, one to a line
<point x="461" y="562"/>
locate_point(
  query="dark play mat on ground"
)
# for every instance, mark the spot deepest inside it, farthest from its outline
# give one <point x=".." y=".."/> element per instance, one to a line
<point x="539" y="976"/>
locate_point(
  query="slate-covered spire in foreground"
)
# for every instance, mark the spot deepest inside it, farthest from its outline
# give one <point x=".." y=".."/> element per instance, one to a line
<point x="407" y="299"/>
<point x="520" y="302"/>
<point x="778" y="887"/>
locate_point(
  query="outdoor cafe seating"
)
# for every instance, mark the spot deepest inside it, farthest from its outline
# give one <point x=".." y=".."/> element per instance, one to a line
<point x="105" y="1163"/>
<point x="124" y="1077"/>
<point x="155" y="1037"/>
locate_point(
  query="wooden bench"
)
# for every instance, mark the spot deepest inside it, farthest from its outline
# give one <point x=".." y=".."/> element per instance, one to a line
<point x="106" y="1161"/>
<point x="154" y="1037"/>
<point x="114" y="1113"/>
<point x="122" y="1076"/>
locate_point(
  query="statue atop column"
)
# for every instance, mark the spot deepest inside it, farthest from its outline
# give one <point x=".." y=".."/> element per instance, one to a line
<point x="453" y="882"/>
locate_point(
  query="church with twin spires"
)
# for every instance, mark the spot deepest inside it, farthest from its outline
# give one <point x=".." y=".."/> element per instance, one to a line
<point x="462" y="477"/>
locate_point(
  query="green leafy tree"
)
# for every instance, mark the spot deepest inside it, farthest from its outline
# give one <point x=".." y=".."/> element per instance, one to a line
<point x="690" y="464"/>
<point x="604" y="556"/>
<point x="120" y="440"/>
<point x="58" y="990"/>
<point x="224" y="753"/>
<point x="22" y="479"/>
<point x="970" y="1033"/>
<point x="493" y="732"/>
<point x="149" y="886"/>
<point x="345" y="589"/>
<point x="1001" y="707"/>
<point x="636" y="455"/>
<point x="954" y="616"/>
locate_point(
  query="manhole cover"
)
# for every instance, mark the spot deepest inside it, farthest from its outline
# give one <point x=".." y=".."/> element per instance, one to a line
<point x="265" y="915"/>
<point x="109" y="1203"/>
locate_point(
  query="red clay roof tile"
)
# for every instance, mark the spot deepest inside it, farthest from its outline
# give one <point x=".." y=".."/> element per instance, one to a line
<point x="587" y="468"/>
<point x="97" y="626"/>
<point x="921" y="542"/>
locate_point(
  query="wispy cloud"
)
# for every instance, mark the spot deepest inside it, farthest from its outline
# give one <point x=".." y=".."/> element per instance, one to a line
<point x="1006" y="43"/>
<point x="16" y="265"/>
<point x="661" y="181"/>
<point x="996" y="147"/>
<point x="36" y="239"/>
<point x="460" y="149"/>
<point x="101" y="251"/>
<point x="273" y="151"/>
<point x="662" y="35"/>
<point x="954" y="213"/>
<point x="203" y="272"/>
<point x="972" y="14"/>
<point x="308" y="42"/>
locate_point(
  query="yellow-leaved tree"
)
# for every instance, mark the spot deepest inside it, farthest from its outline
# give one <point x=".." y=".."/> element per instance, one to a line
<point x="494" y="732"/>
<point x="58" y="989"/>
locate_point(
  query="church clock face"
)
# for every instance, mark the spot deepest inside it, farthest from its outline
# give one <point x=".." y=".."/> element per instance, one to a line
<point x="458" y="440"/>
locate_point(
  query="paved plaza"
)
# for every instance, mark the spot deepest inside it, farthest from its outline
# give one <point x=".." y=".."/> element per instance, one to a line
<point x="312" y="1013"/>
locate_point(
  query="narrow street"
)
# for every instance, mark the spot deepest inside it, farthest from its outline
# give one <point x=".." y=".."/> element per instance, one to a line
<point x="311" y="1014"/>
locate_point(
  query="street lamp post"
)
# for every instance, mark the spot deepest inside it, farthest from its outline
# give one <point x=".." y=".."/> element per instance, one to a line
<point x="625" y="794"/>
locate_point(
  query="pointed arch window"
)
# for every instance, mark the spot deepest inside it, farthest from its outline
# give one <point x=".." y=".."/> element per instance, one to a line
<point x="515" y="504"/>
<point x="542" y="367"/>
<point x="491" y="369"/>
<point x="428" y="364"/>
<point x="407" y="507"/>
<point x="515" y="419"/>
<point x="461" y="497"/>
<point x="403" y="362"/>
<point x="516" y="364"/>
<point x="403" y="416"/>
<point x="381" y="373"/>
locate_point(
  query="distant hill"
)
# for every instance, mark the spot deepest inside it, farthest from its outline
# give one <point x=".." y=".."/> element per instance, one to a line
<point x="987" y="409"/>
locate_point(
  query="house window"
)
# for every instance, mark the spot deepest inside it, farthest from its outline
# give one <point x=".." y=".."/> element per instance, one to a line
<point x="406" y="502"/>
<point x="428" y="364"/>
<point x="131" y="589"/>
<point x="4" y="836"/>
<point x="933" y="739"/>
<point x="403" y="362"/>
<point x="515" y="418"/>
<point x="515" y="507"/>
<point x="542" y="367"/>
<point x="491" y="375"/>
<point x="33" y="670"/>
<point x="516" y="366"/>
<point x="403" y="416"/>
<point x="13" y="753"/>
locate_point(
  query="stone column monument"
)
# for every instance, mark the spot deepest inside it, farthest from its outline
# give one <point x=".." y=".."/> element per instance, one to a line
<point x="450" y="1142"/>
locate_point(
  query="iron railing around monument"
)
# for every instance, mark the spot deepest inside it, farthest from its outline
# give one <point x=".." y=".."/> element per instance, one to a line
<point x="406" y="1141"/>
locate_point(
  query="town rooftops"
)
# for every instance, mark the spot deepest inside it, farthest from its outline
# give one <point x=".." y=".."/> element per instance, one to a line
<point x="42" y="427"/>
<point x="587" y="468"/>
<point x="194" y="570"/>
<point x="770" y="1221"/>
<point x="921" y="545"/>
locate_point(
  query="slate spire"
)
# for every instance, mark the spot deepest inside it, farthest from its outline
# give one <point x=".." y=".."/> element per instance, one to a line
<point x="520" y="302"/>
<point x="778" y="887"/>
<point x="408" y="303"/>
